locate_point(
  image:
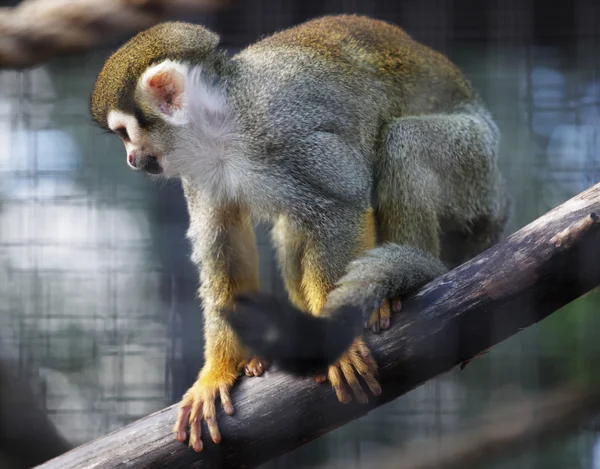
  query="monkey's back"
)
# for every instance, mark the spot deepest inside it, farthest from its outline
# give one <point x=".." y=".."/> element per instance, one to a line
<point x="420" y="79"/>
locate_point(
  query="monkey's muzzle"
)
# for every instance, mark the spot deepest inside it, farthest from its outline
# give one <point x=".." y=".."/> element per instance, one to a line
<point x="147" y="163"/>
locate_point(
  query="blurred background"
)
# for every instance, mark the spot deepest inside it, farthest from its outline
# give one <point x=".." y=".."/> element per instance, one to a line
<point x="98" y="310"/>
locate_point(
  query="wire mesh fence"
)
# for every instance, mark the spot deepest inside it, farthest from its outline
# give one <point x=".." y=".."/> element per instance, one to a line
<point x="99" y="296"/>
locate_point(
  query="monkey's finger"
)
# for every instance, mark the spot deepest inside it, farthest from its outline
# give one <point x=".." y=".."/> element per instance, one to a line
<point x="384" y="315"/>
<point x="373" y="319"/>
<point x="255" y="367"/>
<point x="183" y="414"/>
<point x="335" y="378"/>
<point x="396" y="305"/>
<point x="348" y="371"/>
<point x="365" y="353"/>
<point x="196" y="426"/>
<point x="363" y="348"/>
<point x="226" y="400"/>
<point x="320" y="378"/>
<point x="210" y="415"/>
<point x="365" y="372"/>
<point x="263" y="365"/>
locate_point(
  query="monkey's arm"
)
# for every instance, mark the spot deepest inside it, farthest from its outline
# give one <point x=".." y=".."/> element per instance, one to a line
<point x="224" y="246"/>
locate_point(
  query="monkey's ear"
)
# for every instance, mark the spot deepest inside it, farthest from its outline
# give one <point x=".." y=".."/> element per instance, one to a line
<point x="164" y="87"/>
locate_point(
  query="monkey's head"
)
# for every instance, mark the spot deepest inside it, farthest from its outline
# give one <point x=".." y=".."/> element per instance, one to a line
<point x="140" y="93"/>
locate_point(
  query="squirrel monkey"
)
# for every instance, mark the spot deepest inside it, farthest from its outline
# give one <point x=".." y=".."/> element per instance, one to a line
<point x="371" y="154"/>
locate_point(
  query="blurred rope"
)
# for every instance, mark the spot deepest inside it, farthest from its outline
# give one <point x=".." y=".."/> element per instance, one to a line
<point x="36" y="30"/>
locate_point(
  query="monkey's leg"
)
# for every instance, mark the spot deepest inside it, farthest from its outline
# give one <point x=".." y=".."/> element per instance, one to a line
<point x="368" y="240"/>
<point x="224" y="245"/>
<point x="290" y="246"/>
<point x="289" y="249"/>
<point x="406" y="219"/>
<point x="328" y="250"/>
<point x="432" y="168"/>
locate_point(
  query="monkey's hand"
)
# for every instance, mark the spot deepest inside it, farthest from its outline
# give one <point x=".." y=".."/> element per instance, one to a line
<point x="356" y="361"/>
<point x="199" y="404"/>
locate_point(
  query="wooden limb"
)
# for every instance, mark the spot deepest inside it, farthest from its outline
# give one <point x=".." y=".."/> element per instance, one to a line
<point x="36" y="30"/>
<point x="509" y="287"/>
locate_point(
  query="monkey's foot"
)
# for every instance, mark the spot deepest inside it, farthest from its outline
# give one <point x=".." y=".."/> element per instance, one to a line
<point x="199" y="404"/>
<point x="255" y="366"/>
<point x="380" y="319"/>
<point x="356" y="361"/>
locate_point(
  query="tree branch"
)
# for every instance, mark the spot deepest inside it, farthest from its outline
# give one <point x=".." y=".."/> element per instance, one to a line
<point x="36" y="30"/>
<point x="518" y="282"/>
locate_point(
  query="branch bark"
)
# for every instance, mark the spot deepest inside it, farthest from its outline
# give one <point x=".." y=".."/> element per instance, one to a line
<point x="515" y="284"/>
<point x="36" y="30"/>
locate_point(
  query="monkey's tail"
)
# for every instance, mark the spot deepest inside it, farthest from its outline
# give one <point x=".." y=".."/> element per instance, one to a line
<point x="303" y="344"/>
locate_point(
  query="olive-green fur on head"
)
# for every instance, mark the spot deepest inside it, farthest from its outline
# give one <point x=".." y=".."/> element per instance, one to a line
<point x="116" y="82"/>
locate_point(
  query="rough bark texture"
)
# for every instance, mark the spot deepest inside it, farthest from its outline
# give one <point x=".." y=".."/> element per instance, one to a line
<point x="520" y="281"/>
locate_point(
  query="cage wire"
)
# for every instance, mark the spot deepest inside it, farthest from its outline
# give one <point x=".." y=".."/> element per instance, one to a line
<point x="100" y="306"/>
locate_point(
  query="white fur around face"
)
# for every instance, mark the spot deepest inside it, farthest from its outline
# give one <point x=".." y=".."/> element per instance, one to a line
<point x="119" y="119"/>
<point x="209" y="151"/>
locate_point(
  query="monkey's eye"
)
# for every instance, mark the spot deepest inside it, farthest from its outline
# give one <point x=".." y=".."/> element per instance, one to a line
<point x="122" y="132"/>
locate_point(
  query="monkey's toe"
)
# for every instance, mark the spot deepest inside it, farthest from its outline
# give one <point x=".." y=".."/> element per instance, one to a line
<point x="198" y="404"/>
<point x="343" y="375"/>
<point x="380" y="320"/>
<point x="255" y="367"/>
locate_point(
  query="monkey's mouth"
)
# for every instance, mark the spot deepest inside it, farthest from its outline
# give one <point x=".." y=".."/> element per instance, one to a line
<point x="153" y="168"/>
<point x="148" y="163"/>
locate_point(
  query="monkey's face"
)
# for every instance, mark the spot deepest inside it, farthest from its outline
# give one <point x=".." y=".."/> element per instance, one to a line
<point x="152" y="133"/>
<point x="143" y="151"/>
<point x="183" y="125"/>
